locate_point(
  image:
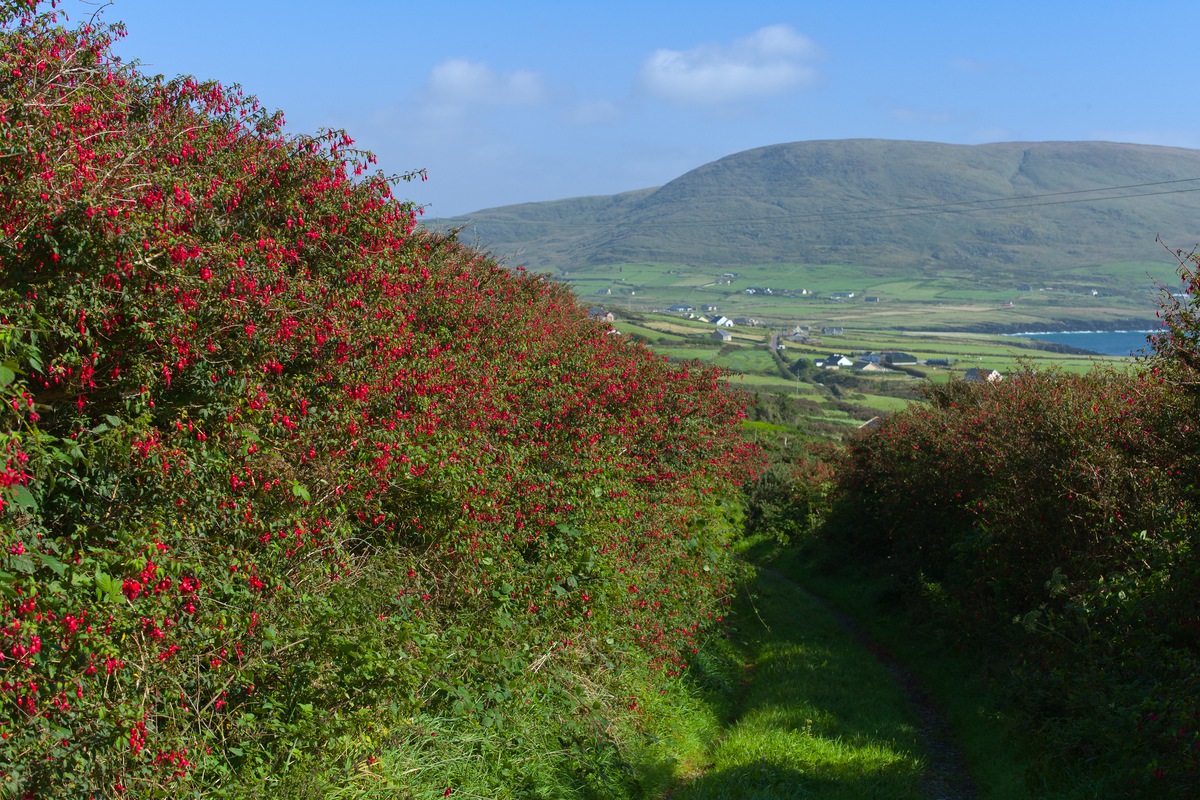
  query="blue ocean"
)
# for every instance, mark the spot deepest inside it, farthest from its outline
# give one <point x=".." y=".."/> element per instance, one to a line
<point x="1109" y="343"/>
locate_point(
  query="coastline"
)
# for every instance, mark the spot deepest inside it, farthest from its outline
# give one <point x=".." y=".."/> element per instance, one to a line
<point x="1122" y="343"/>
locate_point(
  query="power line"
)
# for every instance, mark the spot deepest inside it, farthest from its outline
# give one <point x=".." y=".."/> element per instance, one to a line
<point x="958" y="207"/>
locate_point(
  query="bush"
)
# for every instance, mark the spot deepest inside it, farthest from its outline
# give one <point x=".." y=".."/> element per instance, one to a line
<point x="790" y="499"/>
<point x="1066" y="505"/>
<point x="282" y="469"/>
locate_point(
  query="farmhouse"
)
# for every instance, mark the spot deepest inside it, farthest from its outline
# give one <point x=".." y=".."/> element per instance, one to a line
<point x="834" y="361"/>
<point x="721" y="336"/>
<point x="601" y="315"/>
<point x="976" y="375"/>
<point x="833" y="331"/>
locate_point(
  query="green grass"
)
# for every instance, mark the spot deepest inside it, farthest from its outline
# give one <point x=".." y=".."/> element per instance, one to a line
<point x="747" y="360"/>
<point x="813" y="715"/>
<point x="943" y="302"/>
<point x="752" y="367"/>
<point x="987" y="735"/>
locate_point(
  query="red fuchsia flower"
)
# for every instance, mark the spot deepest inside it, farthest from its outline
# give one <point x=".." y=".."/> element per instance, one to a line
<point x="131" y="589"/>
<point x="137" y="737"/>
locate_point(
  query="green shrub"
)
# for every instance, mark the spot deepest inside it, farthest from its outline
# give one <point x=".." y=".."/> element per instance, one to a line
<point x="1050" y="519"/>
<point x="282" y="471"/>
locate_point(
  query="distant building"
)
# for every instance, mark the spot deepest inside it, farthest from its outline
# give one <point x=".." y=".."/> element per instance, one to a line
<point x="836" y="360"/>
<point x="681" y="309"/>
<point x="976" y="375"/>
<point x="833" y="331"/>
<point x="721" y="336"/>
<point x="871" y="299"/>
<point x="895" y="358"/>
<point x="601" y="314"/>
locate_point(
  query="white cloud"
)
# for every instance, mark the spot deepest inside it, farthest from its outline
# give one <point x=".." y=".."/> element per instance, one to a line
<point x="1163" y="138"/>
<point x="989" y="133"/>
<point x="964" y="64"/>
<point x="920" y="116"/>
<point x="977" y="66"/>
<point x="592" y="113"/>
<point x="769" y="61"/>
<point x="460" y="82"/>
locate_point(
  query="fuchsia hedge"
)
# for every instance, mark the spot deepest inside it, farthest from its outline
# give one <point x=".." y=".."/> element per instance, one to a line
<point x="263" y="439"/>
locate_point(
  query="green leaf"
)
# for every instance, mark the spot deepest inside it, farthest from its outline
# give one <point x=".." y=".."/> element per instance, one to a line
<point x="22" y="497"/>
<point x="22" y="564"/>
<point x="301" y="492"/>
<point x="7" y="376"/>
<point x="106" y="586"/>
<point x="54" y="564"/>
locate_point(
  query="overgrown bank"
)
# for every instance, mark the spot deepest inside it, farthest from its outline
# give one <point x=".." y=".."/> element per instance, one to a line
<point x="1044" y="529"/>
<point x="294" y="493"/>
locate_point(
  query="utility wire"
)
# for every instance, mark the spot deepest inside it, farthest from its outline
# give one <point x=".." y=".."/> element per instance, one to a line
<point x="959" y="207"/>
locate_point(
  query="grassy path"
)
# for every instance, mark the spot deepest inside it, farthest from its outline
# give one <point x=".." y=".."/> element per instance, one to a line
<point x="819" y="714"/>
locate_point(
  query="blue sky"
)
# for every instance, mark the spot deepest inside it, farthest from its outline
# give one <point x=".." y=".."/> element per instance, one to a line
<point x="527" y="101"/>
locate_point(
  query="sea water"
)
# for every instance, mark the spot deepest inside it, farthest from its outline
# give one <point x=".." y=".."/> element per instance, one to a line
<point x="1108" y="343"/>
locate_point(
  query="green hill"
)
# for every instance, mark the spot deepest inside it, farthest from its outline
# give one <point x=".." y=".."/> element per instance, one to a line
<point x="1026" y="208"/>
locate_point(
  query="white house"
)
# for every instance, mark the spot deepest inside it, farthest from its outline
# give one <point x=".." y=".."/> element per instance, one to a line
<point x="977" y="375"/>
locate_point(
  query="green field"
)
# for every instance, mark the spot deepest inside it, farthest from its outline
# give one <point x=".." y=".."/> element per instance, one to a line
<point x="837" y="401"/>
<point x="1102" y="295"/>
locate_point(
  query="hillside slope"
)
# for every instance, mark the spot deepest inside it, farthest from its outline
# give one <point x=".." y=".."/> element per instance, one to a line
<point x="894" y="204"/>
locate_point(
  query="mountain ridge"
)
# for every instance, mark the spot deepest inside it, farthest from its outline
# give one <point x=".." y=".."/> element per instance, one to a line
<point x="907" y="205"/>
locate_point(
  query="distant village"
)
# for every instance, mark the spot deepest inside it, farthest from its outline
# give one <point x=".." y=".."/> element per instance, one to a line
<point x="803" y="334"/>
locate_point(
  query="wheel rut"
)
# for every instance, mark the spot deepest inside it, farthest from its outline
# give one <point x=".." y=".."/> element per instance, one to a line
<point x="947" y="777"/>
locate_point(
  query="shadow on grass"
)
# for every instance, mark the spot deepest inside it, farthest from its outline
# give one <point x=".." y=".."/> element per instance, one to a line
<point x="814" y="714"/>
<point x="766" y="780"/>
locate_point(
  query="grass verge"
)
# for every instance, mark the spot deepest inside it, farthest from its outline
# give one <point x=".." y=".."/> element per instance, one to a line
<point x="808" y="711"/>
<point x="987" y="734"/>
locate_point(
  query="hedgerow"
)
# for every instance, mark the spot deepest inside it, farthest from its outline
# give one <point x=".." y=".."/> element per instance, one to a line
<point x="1049" y="521"/>
<point x="279" y="465"/>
